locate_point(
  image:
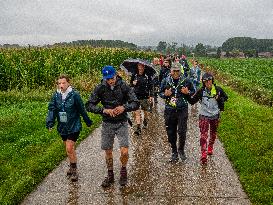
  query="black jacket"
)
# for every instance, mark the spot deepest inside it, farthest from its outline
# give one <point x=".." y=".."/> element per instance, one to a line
<point x="144" y="87"/>
<point x="182" y="99"/>
<point x="164" y="72"/>
<point x="122" y="94"/>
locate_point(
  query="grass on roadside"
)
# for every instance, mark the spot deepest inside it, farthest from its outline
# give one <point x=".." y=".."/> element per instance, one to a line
<point x="246" y="132"/>
<point x="28" y="151"/>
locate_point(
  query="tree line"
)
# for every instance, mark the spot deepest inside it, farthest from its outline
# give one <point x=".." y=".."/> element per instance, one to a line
<point x="249" y="46"/>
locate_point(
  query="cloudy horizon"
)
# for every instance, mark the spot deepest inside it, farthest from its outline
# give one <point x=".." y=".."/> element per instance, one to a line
<point x="143" y="22"/>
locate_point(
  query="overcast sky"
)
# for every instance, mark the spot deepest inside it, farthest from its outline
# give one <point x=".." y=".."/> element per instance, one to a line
<point x="143" y="22"/>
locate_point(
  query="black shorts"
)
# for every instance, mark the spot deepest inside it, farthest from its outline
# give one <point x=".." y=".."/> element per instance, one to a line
<point x="72" y="136"/>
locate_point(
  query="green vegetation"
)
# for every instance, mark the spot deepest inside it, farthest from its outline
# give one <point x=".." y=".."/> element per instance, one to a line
<point x="247" y="44"/>
<point x="99" y="43"/>
<point x="251" y="77"/>
<point x="34" y="67"/>
<point x="246" y="131"/>
<point x="28" y="151"/>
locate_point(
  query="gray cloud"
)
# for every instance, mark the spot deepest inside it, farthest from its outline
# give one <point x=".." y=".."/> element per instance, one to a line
<point x="144" y="22"/>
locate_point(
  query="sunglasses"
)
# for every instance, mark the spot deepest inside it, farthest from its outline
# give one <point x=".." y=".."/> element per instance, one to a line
<point x="207" y="79"/>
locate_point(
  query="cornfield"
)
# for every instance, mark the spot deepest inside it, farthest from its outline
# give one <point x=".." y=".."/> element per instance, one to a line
<point x="34" y="67"/>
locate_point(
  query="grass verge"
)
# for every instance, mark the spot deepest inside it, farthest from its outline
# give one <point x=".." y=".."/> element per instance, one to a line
<point x="246" y="132"/>
<point x="28" y="151"/>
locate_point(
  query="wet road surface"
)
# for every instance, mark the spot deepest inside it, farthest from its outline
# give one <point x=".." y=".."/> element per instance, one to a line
<point x="152" y="179"/>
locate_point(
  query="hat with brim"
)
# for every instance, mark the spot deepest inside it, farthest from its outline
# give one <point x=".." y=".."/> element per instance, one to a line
<point x="176" y="66"/>
<point x="108" y="72"/>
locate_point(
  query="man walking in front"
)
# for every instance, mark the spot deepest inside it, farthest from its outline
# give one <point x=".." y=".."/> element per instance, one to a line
<point x="116" y="98"/>
<point x="176" y="110"/>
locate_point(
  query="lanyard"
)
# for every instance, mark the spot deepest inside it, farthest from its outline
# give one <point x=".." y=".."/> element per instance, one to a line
<point x="175" y="87"/>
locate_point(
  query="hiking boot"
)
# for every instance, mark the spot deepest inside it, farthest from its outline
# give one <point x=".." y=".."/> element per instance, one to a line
<point x="145" y="123"/>
<point x="69" y="172"/>
<point x="74" y="176"/>
<point x="182" y="155"/>
<point x="138" y="130"/>
<point x="108" y="181"/>
<point x="204" y="158"/>
<point x="123" y="176"/>
<point x="174" y="158"/>
<point x="210" y="150"/>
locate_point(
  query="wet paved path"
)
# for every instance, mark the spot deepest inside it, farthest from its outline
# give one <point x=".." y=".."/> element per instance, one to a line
<point x="152" y="179"/>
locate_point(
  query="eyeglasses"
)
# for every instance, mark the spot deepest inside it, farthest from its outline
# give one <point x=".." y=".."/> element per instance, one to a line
<point x="176" y="70"/>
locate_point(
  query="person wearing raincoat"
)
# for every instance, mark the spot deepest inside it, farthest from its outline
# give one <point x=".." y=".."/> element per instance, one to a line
<point x="176" y="110"/>
<point x="142" y="85"/>
<point x="212" y="99"/>
<point x="116" y="98"/>
<point x="66" y="106"/>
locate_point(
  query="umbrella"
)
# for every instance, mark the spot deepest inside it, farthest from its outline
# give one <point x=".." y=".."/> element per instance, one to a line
<point x="130" y="66"/>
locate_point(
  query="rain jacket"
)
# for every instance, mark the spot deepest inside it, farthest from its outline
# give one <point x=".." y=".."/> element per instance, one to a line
<point x="144" y="87"/>
<point x="181" y="100"/>
<point x="164" y="72"/>
<point x="73" y="106"/>
<point x="211" y="102"/>
<point x="121" y="94"/>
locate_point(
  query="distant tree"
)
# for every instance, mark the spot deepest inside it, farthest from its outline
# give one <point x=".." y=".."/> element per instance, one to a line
<point x="247" y="43"/>
<point x="200" y="50"/>
<point x="162" y="46"/>
<point x="252" y="53"/>
<point x="219" y="50"/>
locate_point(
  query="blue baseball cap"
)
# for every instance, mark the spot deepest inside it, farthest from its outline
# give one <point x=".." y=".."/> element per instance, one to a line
<point x="108" y="72"/>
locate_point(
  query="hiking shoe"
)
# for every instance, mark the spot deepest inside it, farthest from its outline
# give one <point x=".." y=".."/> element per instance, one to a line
<point x="182" y="155"/>
<point x="69" y="172"/>
<point x="174" y="158"/>
<point x="107" y="181"/>
<point x="137" y="131"/>
<point x="210" y="150"/>
<point x="123" y="177"/>
<point x="74" y="176"/>
<point x="204" y="158"/>
<point x="145" y="123"/>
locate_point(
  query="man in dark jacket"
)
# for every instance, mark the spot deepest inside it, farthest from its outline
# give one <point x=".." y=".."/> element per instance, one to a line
<point x="165" y="70"/>
<point x="117" y="98"/>
<point x="66" y="105"/>
<point x="142" y="85"/>
<point x="183" y="61"/>
<point x="176" y="109"/>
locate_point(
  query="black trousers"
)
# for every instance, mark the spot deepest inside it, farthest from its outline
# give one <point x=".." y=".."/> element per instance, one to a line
<point x="176" y="125"/>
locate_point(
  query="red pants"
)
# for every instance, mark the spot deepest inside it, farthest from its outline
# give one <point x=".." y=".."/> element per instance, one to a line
<point x="205" y="124"/>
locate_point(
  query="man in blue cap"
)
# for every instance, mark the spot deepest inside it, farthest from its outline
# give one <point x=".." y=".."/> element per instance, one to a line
<point x="117" y="98"/>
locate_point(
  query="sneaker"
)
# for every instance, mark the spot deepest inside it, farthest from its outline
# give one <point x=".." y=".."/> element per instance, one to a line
<point x="174" y="158"/>
<point x="74" y="176"/>
<point x="145" y="123"/>
<point x="210" y="150"/>
<point x="182" y="155"/>
<point x="123" y="177"/>
<point x="107" y="181"/>
<point x="137" y="131"/>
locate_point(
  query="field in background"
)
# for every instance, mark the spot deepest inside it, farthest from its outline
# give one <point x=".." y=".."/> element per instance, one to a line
<point x="27" y="80"/>
<point x="252" y="77"/>
<point x="37" y="67"/>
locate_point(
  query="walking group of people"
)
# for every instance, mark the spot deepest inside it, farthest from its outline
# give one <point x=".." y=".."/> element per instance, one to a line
<point x="113" y="98"/>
